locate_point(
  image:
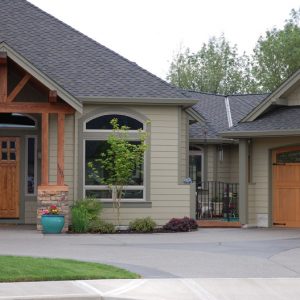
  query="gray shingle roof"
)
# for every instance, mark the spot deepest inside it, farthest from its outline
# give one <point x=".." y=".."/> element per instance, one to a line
<point x="280" y="118"/>
<point x="242" y="105"/>
<point x="212" y="108"/>
<point x="80" y="65"/>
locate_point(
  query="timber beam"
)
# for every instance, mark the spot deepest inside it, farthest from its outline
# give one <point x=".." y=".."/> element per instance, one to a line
<point x="34" y="107"/>
<point x="3" y="77"/>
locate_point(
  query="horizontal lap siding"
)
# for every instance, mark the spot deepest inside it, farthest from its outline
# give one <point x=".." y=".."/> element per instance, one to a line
<point x="167" y="149"/>
<point x="225" y="170"/>
<point x="259" y="190"/>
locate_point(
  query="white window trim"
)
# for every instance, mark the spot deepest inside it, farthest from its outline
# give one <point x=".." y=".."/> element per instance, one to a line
<point x="102" y="187"/>
<point x="199" y="152"/>
<point x="110" y="130"/>
<point x="35" y="165"/>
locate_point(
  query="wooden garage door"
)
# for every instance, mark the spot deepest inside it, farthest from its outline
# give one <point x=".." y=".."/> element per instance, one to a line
<point x="9" y="177"/>
<point x="286" y="187"/>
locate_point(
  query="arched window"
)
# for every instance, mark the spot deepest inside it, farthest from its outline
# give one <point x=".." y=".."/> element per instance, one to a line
<point x="103" y="122"/>
<point x="96" y="132"/>
<point x="16" y="120"/>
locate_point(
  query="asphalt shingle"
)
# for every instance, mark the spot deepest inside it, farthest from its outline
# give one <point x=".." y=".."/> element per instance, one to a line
<point x="212" y="108"/>
<point x="82" y="66"/>
<point x="280" y="118"/>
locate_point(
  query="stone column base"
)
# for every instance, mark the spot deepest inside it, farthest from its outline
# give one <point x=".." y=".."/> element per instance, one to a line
<point x="53" y="195"/>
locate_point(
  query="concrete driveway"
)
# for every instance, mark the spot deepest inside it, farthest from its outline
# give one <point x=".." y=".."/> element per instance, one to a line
<point x="216" y="253"/>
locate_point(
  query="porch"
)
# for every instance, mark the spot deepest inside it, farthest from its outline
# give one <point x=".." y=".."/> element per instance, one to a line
<point x="25" y="94"/>
<point x="217" y="204"/>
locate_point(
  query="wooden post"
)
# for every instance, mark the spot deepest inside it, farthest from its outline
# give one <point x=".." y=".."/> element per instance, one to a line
<point x="3" y="77"/>
<point x="60" y="148"/>
<point x="45" y="144"/>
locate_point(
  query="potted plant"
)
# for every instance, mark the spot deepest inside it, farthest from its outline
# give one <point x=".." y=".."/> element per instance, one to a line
<point x="52" y="220"/>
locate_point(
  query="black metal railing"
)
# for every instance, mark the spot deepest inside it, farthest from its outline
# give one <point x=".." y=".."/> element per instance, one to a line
<point x="217" y="200"/>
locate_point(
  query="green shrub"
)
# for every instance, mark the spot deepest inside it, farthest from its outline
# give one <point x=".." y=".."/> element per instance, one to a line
<point x="98" y="226"/>
<point x="142" y="225"/>
<point x="83" y="213"/>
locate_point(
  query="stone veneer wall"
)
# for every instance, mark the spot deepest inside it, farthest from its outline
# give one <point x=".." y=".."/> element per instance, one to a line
<point x="51" y="195"/>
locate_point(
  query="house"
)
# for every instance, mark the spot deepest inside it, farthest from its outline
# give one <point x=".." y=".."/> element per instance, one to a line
<point x="269" y="158"/>
<point x="58" y="91"/>
<point x="217" y="156"/>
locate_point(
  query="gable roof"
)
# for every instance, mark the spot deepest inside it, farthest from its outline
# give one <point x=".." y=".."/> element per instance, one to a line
<point x="213" y="109"/>
<point x="273" y="98"/>
<point x="81" y="66"/>
<point x="282" y="120"/>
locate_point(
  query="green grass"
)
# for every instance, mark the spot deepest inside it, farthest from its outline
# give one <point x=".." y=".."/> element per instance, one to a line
<point x="22" y="268"/>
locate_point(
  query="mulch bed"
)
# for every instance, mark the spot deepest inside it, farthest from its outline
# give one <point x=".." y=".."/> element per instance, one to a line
<point x="127" y="231"/>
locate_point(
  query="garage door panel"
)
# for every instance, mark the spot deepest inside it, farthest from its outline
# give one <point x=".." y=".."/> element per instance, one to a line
<point x="286" y="186"/>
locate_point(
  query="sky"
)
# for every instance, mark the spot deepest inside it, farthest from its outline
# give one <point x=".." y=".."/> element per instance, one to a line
<point x="151" y="32"/>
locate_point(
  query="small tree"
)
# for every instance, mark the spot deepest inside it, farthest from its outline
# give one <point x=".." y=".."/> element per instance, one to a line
<point x="119" y="162"/>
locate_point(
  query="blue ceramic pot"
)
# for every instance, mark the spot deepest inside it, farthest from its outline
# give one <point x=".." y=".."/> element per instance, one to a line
<point x="53" y="223"/>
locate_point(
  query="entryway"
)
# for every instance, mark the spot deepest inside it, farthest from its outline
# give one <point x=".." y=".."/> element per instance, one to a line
<point x="9" y="177"/>
<point x="286" y="186"/>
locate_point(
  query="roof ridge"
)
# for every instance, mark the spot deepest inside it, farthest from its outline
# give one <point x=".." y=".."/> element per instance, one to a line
<point x="225" y="95"/>
<point x="108" y="49"/>
<point x="249" y="94"/>
<point x="204" y="93"/>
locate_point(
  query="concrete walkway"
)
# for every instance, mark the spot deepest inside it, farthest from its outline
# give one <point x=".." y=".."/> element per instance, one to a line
<point x="207" y="253"/>
<point x="157" y="289"/>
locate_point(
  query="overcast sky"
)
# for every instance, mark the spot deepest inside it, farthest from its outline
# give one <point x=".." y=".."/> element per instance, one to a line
<point x="150" y="32"/>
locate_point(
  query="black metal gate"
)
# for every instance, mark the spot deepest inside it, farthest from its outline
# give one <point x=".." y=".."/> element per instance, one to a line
<point x="217" y="201"/>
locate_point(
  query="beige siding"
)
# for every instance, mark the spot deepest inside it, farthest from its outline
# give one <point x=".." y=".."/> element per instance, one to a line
<point x="259" y="189"/>
<point x="184" y="145"/>
<point x="294" y="97"/>
<point x="225" y="170"/>
<point x="211" y="162"/>
<point x="30" y="212"/>
<point x="167" y="144"/>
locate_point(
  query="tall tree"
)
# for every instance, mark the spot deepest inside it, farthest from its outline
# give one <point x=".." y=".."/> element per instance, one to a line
<point x="277" y="54"/>
<point x="216" y="68"/>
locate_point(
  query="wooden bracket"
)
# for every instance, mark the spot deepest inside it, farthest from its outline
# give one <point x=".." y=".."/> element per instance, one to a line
<point x="14" y="93"/>
<point x="52" y="98"/>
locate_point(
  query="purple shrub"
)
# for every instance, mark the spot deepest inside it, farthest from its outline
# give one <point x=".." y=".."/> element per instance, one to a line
<point x="181" y="225"/>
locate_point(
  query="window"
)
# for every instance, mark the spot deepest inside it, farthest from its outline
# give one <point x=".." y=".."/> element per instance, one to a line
<point x="94" y="145"/>
<point x="15" y="120"/>
<point x="31" y="166"/>
<point x="103" y="122"/>
<point x="196" y="166"/>
<point x="288" y="157"/>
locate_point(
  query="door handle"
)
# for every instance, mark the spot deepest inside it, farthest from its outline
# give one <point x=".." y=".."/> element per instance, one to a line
<point x="275" y="223"/>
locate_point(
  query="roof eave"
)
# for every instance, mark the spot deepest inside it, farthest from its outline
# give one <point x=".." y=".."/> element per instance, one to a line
<point x="139" y="100"/>
<point x="213" y="141"/>
<point x="258" y="133"/>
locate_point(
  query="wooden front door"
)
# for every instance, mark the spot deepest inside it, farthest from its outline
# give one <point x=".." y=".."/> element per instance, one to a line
<point x="286" y="187"/>
<point x="9" y="177"/>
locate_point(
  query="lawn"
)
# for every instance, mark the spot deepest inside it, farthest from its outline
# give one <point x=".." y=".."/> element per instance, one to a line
<point x="22" y="268"/>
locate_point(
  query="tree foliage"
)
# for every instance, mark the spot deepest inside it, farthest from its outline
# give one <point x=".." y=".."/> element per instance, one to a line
<point x="277" y="54"/>
<point x="216" y="68"/>
<point x="119" y="162"/>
